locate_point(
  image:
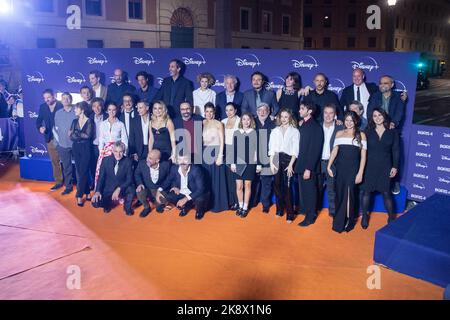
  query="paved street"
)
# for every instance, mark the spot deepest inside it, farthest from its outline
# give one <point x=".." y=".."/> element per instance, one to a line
<point x="432" y="106"/>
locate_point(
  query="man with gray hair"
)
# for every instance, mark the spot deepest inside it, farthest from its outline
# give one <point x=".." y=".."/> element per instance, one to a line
<point x="115" y="181"/>
<point x="358" y="108"/>
<point x="230" y="94"/>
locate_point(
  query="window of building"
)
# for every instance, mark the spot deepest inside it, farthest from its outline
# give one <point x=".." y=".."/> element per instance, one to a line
<point x="95" y="44"/>
<point x="245" y="19"/>
<point x="351" y="42"/>
<point x="397" y="22"/>
<point x="245" y="47"/>
<point x="266" y="21"/>
<point x="352" y="20"/>
<point x="372" y="42"/>
<point x="44" y="5"/>
<point x="327" y="21"/>
<point x="136" y="44"/>
<point x="135" y="9"/>
<point x="403" y="43"/>
<point x="43" y="43"/>
<point x="308" y="42"/>
<point x="307" y="20"/>
<point x="94" y="7"/>
<point x="327" y="42"/>
<point x="396" y="43"/>
<point x="286" y="24"/>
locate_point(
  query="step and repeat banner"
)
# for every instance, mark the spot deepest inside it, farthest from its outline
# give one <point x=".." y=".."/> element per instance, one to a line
<point x="68" y="69"/>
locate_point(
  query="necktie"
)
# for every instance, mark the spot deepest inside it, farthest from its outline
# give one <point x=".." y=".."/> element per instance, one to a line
<point x="358" y="95"/>
<point x="258" y="99"/>
<point x="116" y="168"/>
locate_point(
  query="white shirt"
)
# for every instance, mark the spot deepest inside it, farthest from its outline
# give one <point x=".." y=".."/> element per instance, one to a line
<point x="327" y="134"/>
<point x="184" y="190"/>
<point x="365" y="95"/>
<point x="98" y="121"/>
<point x="97" y="92"/>
<point x="145" y="128"/>
<point x="287" y="143"/>
<point x="154" y="174"/>
<point x="230" y="97"/>
<point x="230" y="132"/>
<point x="112" y="133"/>
<point x="201" y="98"/>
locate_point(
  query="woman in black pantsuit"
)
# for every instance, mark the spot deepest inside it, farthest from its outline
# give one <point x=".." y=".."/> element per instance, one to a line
<point x="82" y="132"/>
<point x="244" y="143"/>
<point x="382" y="163"/>
<point x="349" y="159"/>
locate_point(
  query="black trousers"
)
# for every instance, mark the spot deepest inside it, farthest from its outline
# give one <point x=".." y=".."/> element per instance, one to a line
<point x="201" y="203"/>
<point x="65" y="155"/>
<point x="148" y="193"/>
<point x="93" y="164"/>
<point x="326" y="179"/>
<point x="263" y="190"/>
<point x="82" y="155"/>
<point x="308" y="193"/>
<point x="107" y="203"/>
<point x="283" y="185"/>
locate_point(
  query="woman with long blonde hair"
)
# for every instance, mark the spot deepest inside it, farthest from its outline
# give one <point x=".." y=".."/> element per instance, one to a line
<point x="162" y="132"/>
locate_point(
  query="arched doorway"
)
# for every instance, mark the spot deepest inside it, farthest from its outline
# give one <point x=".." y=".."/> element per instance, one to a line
<point x="182" y="29"/>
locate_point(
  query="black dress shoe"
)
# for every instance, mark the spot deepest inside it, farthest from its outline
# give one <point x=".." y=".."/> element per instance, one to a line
<point x="290" y="217"/>
<point x="392" y="217"/>
<point x="239" y="212"/>
<point x="145" y="212"/>
<point x="183" y="212"/>
<point x="365" y="221"/>
<point x="266" y="209"/>
<point x="106" y="210"/>
<point x="279" y="213"/>
<point x="66" y="191"/>
<point x="305" y="223"/>
<point x="56" y="187"/>
<point x="350" y="226"/>
<point x="244" y="213"/>
<point x="129" y="211"/>
<point x="80" y="204"/>
<point x="199" y="215"/>
<point x="160" y="208"/>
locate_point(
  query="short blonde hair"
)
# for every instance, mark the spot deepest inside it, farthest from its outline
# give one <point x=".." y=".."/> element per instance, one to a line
<point x="206" y="75"/>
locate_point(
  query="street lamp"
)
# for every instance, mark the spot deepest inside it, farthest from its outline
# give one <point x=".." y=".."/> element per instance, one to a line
<point x="392" y="2"/>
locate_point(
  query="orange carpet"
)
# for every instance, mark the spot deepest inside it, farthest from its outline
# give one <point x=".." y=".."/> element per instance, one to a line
<point x="167" y="257"/>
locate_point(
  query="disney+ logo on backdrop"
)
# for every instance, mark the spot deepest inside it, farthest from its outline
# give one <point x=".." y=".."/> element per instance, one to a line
<point x="76" y="79"/>
<point x="144" y="60"/>
<point x="40" y="149"/>
<point x="35" y="78"/>
<point x="52" y="60"/>
<point x="98" y="60"/>
<point x="198" y="61"/>
<point x="367" y="63"/>
<point x="308" y="63"/>
<point x="252" y="62"/>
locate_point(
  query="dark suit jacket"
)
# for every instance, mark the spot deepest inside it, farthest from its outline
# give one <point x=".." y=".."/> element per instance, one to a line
<point x="136" y="139"/>
<point x="267" y="96"/>
<point x="115" y="92"/>
<point x="263" y="132"/>
<point x="348" y="94"/>
<point x="121" y="117"/>
<point x="320" y="100"/>
<point x="108" y="181"/>
<point x="47" y="119"/>
<point x="142" y="174"/>
<point x="221" y="102"/>
<point x="183" y="92"/>
<point x="396" y="107"/>
<point x="196" y="181"/>
<point x="311" y="145"/>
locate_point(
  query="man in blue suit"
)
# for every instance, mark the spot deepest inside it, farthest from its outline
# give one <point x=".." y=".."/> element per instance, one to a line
<point x="186" y="187"/>
<point x="254" y="97"/>
<point x="175" y="89"/>
<point x="228" y="95"/>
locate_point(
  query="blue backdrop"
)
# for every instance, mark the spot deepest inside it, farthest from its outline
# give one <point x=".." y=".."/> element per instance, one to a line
<point x="67" y="70"/>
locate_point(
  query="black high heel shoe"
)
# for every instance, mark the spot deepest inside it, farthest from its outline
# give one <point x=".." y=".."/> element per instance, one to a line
<point x="244" y="213"/>
<point x="239" y="212"/>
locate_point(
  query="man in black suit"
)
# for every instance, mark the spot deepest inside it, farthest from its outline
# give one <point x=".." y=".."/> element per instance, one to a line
<point x="128" y="112"/>
<point x="330" y="128"/>
<point x="118" y="88"/>
<point x="264" y="186"/>
<point x="175" y="89"/>
<point x="321" y="96"/>
<point x="186" y="187"/>
<point x="115" y="181"/>
<point x="228" y="95"/>
<point x="188" y="131"/>
<point x="256" y="95"/>
<point x="98" y="115"/>
<point x="45" y="123"/>
<point x="358" y="91"/>
<point x="308" y="162"/>
<point x="139" y="133"/>
<point x="389" y="100"/>
<point x="149" y="176"/>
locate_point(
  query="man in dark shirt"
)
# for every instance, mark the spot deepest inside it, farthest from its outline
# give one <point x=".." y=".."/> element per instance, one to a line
<point x="45" y="123"/>
<point x="175" y="89"/>
<point x="258" y="94"/>
<point x="118" y="88"/>
<point x="188" y="132"/>
<point x="146" y="92"/>
<point x="321" y="96"/>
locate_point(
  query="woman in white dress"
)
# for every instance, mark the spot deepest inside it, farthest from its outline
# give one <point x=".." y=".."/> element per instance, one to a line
<point x="204" y="94"/>
<point x="111" y="130"/>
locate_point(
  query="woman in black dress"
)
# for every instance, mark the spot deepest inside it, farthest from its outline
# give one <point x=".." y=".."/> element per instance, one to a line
<point x="346" y="164"/>
<point x="82" y="132"/>
<point x="382" y="163"/>
<point x="162" y="132"/>
<point x="244" y="144"/>
<point x="289" y="96"/>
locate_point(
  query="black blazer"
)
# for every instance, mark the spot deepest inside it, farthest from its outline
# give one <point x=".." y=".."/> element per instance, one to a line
<point x="267" y="96"/>
<point x="142" y="174"/>
<point x="136" y="139"/>
<point x="108" y="181"/>
<point x="184" y="88"/>
<point x="348" y="94"/>
<point x="311" y="145"/>
<point x="47" y="119"/>
<point x="196" y="181"/>
<point x="121" y="117"/>
<point x="396" y="107"/>
<point x="115" y="92"/>
<point x="221" y="102"/>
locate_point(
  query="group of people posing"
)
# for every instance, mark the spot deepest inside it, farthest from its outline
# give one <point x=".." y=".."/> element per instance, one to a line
<point x="188" y="148"/>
